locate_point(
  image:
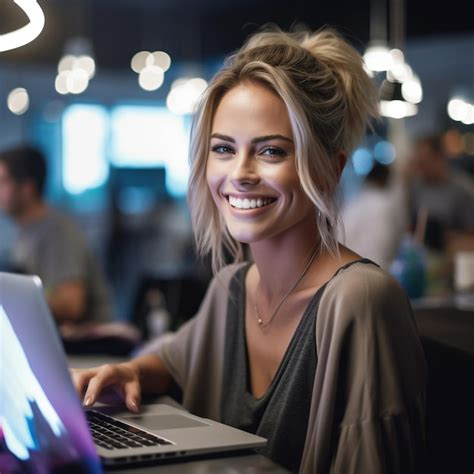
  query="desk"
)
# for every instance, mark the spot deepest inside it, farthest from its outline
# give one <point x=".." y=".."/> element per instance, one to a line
<point x="249" y="463"/>
<point x="447" y="321"/>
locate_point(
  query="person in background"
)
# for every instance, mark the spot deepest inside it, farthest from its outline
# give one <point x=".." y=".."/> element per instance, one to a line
<point x="444" y="198"/>
<point x="49" y="244"/>
<point x="375" y="221"/>
<point x="447" y="195"/>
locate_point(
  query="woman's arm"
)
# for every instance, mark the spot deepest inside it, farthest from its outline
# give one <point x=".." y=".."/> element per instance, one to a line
<point x="367" y="411"/>
<point x="145" y="374"/>
<point x="153" y="376"/>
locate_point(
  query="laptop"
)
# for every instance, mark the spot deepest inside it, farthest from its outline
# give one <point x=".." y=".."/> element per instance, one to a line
<point x="43" y="426"/>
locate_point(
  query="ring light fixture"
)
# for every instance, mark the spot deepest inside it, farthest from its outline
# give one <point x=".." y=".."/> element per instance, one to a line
<point x="27" y="33"/>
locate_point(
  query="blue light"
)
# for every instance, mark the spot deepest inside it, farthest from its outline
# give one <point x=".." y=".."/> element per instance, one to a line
<point x="84" y="139"/>
<point x="16" y="397"/>
<point x="363" y="161"/>
<point x="384" y="152"/>
<point x="144" y="136"/>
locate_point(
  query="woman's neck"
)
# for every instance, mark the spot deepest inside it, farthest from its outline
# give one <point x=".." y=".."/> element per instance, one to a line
<point x="281" y="260"/>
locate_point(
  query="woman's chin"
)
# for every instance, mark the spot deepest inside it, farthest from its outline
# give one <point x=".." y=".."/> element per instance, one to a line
<point x="249" y="237"/>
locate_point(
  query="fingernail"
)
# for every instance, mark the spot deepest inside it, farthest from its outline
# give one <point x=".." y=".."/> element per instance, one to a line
<point x="88" y="401"/>
<point x="134" y="406"/>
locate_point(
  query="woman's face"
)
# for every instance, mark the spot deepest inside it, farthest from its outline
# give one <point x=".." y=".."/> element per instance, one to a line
<point x="251" y="169"/>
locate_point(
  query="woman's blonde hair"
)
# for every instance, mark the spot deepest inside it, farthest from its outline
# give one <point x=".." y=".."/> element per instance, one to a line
<point x="330" y="101"/>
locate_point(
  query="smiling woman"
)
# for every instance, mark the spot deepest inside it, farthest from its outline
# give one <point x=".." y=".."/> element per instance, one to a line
<point x="307" y="343"/>
<point x="251" y="168"/>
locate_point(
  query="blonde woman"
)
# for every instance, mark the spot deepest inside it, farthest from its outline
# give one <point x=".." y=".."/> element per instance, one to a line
<point x="306" y="343"/>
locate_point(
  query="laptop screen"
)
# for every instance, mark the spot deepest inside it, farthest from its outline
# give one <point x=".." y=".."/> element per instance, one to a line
<point x="42" y="424"/>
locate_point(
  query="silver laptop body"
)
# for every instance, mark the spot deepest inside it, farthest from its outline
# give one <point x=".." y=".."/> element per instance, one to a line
<point x="41" y="417"/>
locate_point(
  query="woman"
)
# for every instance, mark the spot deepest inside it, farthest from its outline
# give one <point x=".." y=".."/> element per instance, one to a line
<point x="307" y="344"/>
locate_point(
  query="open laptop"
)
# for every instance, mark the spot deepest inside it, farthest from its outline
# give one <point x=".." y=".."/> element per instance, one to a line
<point x="43" y="427"/>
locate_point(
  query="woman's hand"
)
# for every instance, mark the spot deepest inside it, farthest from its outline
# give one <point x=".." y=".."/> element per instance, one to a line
<point x="123" y="379"/>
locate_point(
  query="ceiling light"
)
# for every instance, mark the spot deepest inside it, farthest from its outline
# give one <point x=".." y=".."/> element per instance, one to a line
<point x="160" y="59"/>
<point x="458" y="109"/>
<point x="377" y="57"/>
<point x="151" y="78"/>
<point x="77" y="81"/>
<point x="184" y="95"/>
<point x="397" y="109"/>
<point x="392" y="102"/>
<point x="18" y="101"/>
<point x="139" y="61"/>
<point x="87" y="64"/>
<point x="76" y="68"/>
<point x="27" y="33"/>
<point x="411" y="90"/>
<point x="468" y="118"/>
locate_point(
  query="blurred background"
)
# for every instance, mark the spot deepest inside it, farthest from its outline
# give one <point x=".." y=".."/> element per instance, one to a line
<point x="107" y="90"/>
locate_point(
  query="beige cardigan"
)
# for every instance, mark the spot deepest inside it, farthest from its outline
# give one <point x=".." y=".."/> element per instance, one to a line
<point x="366" y="341"/>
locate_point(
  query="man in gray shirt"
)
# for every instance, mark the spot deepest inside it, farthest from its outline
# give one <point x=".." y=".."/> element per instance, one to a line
<point x="49" y="244"/>
<point x="446" y="195"/>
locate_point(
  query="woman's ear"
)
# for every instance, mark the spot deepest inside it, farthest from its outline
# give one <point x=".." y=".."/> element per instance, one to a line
<point x="341" y="160"/>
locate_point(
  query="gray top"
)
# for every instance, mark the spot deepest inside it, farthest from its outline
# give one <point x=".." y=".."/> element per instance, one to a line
<point x="451" y="202"/>
<point x="367" y="400"/>
<point x="54" y="248"/>
<point x="270" y="416"/>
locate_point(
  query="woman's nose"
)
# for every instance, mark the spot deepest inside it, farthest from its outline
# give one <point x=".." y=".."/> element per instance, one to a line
<point x="244" y="170"/>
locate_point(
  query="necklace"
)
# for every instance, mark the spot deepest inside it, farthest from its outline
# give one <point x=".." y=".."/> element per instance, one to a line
<point x="303" y="273"/>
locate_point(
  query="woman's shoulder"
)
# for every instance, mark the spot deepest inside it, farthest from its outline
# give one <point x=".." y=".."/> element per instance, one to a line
<point x="362" y="279"/>
<point x="362" y="292"/>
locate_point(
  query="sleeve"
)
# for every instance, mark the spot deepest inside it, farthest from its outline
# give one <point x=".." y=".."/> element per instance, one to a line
<point x="194" y="354"/>
<point x="367" y="410"/>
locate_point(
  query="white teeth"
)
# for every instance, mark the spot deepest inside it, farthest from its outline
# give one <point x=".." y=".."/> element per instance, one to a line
<point x="248" y="203"/>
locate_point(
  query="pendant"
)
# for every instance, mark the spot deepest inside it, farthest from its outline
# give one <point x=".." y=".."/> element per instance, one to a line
<point x="259" y="321"/>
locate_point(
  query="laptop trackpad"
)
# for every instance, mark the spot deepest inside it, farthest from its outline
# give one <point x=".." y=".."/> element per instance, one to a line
<point x="165" y="422"/>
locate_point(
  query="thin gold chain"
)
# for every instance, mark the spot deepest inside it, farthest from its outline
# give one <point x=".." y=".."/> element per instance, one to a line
<point x="303" y="273"/>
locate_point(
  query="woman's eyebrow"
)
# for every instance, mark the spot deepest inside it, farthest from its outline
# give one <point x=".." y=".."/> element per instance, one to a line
<point x="254" y="140"/>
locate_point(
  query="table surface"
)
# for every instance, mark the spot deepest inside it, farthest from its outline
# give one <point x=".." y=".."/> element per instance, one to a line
<point x="447" y="321"/>
<point x="251" y="464"/>
<point x="246" y="463"/>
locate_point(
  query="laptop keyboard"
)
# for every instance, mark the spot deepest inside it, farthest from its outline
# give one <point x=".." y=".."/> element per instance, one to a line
<point x="110" y="433"/>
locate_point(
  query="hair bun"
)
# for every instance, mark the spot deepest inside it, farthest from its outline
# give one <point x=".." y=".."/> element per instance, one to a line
<point x="328" y="47"/>
<point x="331" y="49"/>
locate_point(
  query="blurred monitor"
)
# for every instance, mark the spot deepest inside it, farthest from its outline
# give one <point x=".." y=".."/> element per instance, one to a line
<point x="137" y="190"/>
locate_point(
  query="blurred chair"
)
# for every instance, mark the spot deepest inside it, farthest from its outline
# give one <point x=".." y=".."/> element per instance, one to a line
<point x="116" y="338"/>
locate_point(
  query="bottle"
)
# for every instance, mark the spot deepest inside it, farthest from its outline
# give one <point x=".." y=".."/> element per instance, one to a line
<point x="158" y="319"/>
<point x="409" y="267"/>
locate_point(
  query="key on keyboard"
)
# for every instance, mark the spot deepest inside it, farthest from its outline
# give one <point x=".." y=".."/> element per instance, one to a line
<point x="110" y="433"/>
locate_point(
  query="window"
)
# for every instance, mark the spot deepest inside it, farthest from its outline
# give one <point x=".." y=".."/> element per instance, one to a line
<point x="84" y="164"/>
<point x="145" y="136"/>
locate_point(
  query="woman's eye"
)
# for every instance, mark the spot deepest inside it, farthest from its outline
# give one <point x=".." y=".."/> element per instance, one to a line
<point x="222" y="149"/>
<point x="271" y="151"/>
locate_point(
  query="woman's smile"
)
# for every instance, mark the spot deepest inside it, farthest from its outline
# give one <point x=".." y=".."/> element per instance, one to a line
<point x="251" y="170"/>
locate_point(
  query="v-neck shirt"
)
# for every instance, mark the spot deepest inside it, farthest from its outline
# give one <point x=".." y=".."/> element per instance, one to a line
<point x="281" y="413"/>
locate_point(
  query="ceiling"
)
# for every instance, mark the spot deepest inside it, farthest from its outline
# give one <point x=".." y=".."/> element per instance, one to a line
<point x="199" y="29"/>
